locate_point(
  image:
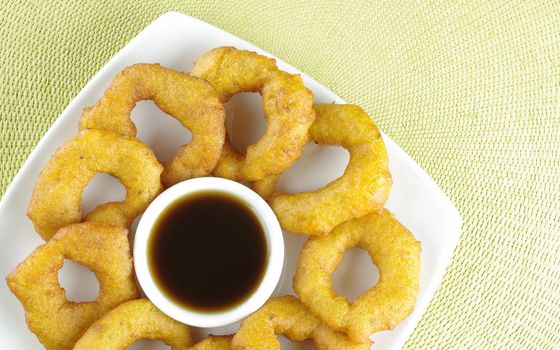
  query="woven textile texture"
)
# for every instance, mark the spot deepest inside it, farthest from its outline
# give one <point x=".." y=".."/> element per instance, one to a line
<point x="470" y="89"/>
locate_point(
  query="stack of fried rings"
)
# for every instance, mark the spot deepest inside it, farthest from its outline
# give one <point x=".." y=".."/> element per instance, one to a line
<point x="346" y="213"/>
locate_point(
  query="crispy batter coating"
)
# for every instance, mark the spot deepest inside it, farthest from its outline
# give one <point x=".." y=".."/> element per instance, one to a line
<point x="395" y="252"/>
<point x="56" y="199"/>
<point x="190" y="100"/>
<point x="287" y="106"/>
<point x="287" y="315"/>
<point x="57" y="322"/>
<point x="132" y="321"/>
<point x="363" y="188"/>
<point x="214" y="342"/>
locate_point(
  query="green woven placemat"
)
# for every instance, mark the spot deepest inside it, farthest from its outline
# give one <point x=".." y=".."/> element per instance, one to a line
<point x="470" y="89"/>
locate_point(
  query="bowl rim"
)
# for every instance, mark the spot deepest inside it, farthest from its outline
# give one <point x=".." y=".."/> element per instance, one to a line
<point x="273" y="235"/>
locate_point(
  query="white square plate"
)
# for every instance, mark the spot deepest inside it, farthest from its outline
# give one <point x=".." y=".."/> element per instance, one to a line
<point x="175" y="40"/>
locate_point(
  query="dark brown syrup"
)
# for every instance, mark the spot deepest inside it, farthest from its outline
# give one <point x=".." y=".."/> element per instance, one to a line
<point x="207" y="252"/>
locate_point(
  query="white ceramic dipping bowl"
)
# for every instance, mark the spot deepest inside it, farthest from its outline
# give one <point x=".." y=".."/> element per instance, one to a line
<point x="274" y="241"/>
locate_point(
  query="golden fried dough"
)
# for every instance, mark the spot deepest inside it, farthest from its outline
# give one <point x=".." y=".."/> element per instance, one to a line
<point x="214" y="342"/>
<point x="287" y="315"/>
<point x="132" y="321"/>
<point x="190" y="100"/>
<point x="395" y="252"/>
<point x="57" y="322"/>
<point x="287" y="106"/>
<point x="363" y="188"/>
<point x="57" y="196"/>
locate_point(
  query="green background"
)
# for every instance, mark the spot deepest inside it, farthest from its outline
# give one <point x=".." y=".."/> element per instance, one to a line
<point x="470" y="89"/>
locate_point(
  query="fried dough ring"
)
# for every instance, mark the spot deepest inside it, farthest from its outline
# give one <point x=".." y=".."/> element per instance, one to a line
<point x="56" y="199"/>
<point x="190" y="100"/>
<point x="287" y="315"/>
<point x="396" y="254"/>
<point x="214" y="342"/>
<point x="363" y="188"/>
<point x="132" y="321"/>
<point x="58" y="322"/>
<point x="287" y="106"/>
